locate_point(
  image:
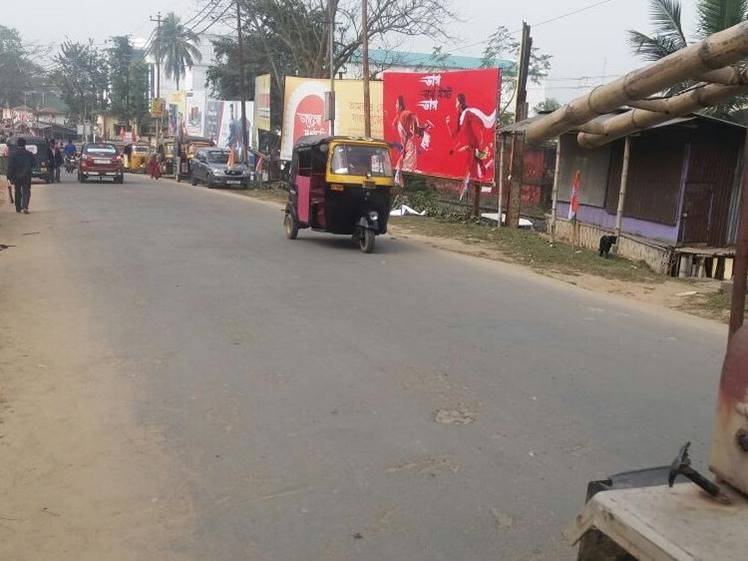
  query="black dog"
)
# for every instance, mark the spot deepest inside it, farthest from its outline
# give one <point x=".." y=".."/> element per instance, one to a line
<point x="606" y="242"/>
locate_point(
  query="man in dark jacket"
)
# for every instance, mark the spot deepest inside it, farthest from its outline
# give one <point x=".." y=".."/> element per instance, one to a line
<point x="20" y="165"/>
<point x="51" y="161"/>
<point x="59" y="160"/>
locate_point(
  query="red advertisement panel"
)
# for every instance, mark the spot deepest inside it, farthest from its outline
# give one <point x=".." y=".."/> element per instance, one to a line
<point x="442" y="123"/>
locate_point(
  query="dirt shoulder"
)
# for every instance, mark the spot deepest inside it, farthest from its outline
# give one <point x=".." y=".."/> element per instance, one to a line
<point x="580" y="267"/>
<point x="81" y="478"/>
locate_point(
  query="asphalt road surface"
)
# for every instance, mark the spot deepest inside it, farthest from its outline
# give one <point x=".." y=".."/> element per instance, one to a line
<point x="302" y="401"/>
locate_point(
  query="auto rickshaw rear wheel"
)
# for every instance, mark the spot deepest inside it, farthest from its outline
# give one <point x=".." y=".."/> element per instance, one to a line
<point x="291" y="226"/>
<point x="366" y="240"/>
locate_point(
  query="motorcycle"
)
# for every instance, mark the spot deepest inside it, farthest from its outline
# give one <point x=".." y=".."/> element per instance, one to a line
<point x="70" y="164"/>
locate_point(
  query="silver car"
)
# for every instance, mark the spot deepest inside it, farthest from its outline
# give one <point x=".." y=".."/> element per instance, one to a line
<point x="210" y="167"/>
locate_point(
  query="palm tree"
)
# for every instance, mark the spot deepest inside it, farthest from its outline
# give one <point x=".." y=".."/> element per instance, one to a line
<point x="175" y="44"/>
<point x="668" y="37"/>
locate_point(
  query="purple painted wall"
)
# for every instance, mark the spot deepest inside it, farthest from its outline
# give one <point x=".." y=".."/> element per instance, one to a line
<point x="601" y="217"/>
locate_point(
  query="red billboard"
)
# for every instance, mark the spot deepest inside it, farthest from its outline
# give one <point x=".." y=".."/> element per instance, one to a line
<point x="442" y="123"/>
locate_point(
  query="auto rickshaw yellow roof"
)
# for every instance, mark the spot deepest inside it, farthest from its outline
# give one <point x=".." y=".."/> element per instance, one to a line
<point x="319" y="139"/>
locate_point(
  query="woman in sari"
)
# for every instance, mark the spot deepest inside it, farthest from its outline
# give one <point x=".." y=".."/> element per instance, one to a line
<point x="406" y="123"/>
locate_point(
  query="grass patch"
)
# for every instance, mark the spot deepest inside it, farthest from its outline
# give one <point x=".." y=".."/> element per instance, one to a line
<point x="268" y="192"/>
<point x="531" y="249"/>
<point x="714" y="305"/>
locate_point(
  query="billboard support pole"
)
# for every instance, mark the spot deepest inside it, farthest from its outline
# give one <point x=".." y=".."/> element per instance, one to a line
<point x="331" y="62"/>
<point x="242" y="83"/>
<point x="365" y="60"/>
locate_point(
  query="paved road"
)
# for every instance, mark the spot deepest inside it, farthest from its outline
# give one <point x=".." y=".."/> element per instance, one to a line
<point x="317" y="403"/>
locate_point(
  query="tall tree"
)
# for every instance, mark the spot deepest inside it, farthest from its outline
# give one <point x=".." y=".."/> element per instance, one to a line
<point x="17" y="71"/>
<point x="176" y="45"/>
<point x="128" y="80"/>
<point x="711" y="16"/>
<point x="669" y="36"/>
<point x="291" y="37"/>
<point x="502" y="44"/>
<point x="82" y="74"/>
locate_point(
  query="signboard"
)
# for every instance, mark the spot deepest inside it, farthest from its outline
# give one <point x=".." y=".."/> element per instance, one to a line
<point x="262" y="103"/>
<point x="443" y="124"/>
<point x="176" y="103"/>
<point x="223" y="123"/>
<point x="158" y="106"/>
<point x="195" y="114"/>
<point x="304" y="109"/>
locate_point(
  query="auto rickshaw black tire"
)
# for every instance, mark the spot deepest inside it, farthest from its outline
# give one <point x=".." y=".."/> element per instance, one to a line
<point x="366" y="240"/>
<point x="194" y="181"/>
<point x="291" y="226"/>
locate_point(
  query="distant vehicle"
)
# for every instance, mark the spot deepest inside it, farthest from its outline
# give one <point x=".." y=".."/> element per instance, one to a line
<point x="139" y="157"/>
<point x="37" y="146"/>
<point x="100" y="160"/>
<point x="210" y="167"/>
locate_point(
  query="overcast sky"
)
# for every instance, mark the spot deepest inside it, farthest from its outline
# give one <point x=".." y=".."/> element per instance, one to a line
<point x="589" y="43"/>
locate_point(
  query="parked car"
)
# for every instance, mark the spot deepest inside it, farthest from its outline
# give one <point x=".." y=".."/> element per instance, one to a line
<point x="37" y="146"/>
<point x="100" y="160"/>
<point x="210" y="167"/>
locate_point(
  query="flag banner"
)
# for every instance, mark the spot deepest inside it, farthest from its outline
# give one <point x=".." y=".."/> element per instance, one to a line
<point x="574" y="203"/>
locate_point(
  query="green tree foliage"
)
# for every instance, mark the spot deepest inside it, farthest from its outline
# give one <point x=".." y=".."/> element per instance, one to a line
<point x="176" y="45"/>
<point x="669" y="36"/>
<point x="17" y="72"/>
<point x="128" y="80"/>
<point x="547" y="105"/>
<point x="82" y="74"/>
<point x="502" y="44"/>
<point x="290" y="37"/>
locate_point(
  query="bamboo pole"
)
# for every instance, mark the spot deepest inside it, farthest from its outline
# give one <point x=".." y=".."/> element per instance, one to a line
<point x="554" y="195"/>
<point x="622" y="190"/>
<point x="501" y="178"/>
<point x="714" y="52"/>
<point x="664" y="110"/>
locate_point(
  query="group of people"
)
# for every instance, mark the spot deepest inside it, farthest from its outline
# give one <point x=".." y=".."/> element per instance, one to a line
<point x="21" y="164"/>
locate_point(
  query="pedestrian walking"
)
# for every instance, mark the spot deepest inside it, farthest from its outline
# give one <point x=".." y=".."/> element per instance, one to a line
<point x="20" y="166"/>
<point x="153" y="167"/>
<point x="51" y="161"/>
<point x="59" y="160"/>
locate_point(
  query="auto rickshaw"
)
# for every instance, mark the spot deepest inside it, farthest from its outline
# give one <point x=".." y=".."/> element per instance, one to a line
<point x="139" y="155"/>
<point x="340" y="185"/>
<point x="166" y="156"/>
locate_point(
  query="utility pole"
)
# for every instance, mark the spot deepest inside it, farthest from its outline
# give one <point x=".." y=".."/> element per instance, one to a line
<point x="518" y="142"/>
<point x="365" y="57"/>
<point x="740" y="269"/>
<point x="331" y="61"/>
<point x="242" y="83"/>
<point x="157" y="39"/>
<point x="127" y="88"/>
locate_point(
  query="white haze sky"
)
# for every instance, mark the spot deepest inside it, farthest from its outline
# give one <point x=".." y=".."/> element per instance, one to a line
<point x="589" y="43"/>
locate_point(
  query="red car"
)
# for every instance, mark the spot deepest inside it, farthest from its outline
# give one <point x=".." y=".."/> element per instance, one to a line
<point x="100" y="160"/>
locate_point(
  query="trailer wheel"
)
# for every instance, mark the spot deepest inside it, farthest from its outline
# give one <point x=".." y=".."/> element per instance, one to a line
<point x="291" y="226"/>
